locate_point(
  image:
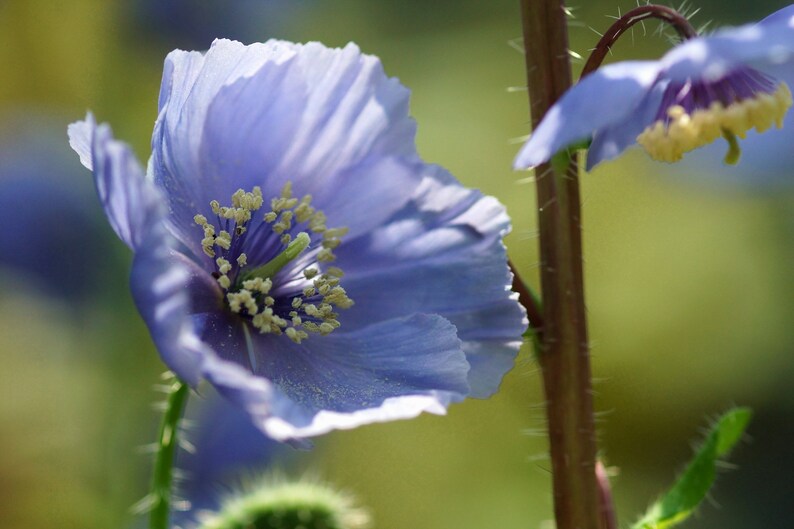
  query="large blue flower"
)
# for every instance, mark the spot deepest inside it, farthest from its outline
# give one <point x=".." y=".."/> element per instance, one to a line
<point x="708" y="87"/>
<point x="292" y="248"/>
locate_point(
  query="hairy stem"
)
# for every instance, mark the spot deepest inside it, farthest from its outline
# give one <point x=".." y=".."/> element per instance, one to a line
<point x="564" y="356"/>
<point x="624" y="23"/>
<point x="160" y="495"/>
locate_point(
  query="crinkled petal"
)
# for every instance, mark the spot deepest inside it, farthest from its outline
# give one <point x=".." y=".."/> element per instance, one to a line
<point x="390" y="370"/>
<point x="351" y="125"/>
<point x="603" y="98"/>
<point x="191" y="81"/>
<point x="442" y="254"/>
<point x="611" y="141"/>
<point x="713" y="57"/>
<point x="131" y="203"/>
<point x="285" y="112"/>
<point x="163" y="282"/>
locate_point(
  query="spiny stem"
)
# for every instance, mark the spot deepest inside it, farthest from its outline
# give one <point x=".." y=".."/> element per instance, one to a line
<point x="160" y="494"/>
<point x="564" y="358"/>
<point x="667" y="14"/>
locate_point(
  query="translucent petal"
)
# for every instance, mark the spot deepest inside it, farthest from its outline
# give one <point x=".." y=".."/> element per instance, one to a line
<point x="603" y="98"/>
<point x="390" y="370"/>
<point x="162" y="283"/>
<point x="132" y="203"/>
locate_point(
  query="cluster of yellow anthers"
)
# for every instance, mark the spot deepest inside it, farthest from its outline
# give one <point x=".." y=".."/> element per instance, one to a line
<point x="686" y="132"/>
<point x="251" y="295"/>
<point x="285" y="209"/>
<point x="320" y="316"/>
<point x="242" y="205"/>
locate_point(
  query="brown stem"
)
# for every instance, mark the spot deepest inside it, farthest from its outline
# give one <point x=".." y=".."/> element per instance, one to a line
<point x="639" y="14"/>
<point x="565" y="358"/>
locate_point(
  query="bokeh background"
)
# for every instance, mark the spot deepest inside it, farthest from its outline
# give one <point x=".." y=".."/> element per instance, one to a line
<point x="689" y="279"/>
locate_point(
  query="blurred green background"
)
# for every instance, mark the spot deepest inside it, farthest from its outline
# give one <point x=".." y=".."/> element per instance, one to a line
<point x="689" y="279"/>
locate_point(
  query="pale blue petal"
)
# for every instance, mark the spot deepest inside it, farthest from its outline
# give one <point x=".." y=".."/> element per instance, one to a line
<point x="442" y="254"/>
<point x="390" y="370"/>
<point x="162" y="283"/>
<point x="603" y="98"/>
<point x="285" y="113"/>
<point x="190" y="83"/>
<point x="326" y="112"/>
<point x="131" y="203"/>
<point x="81" y="134"/>
<point x="611" y="141"/>
<point x="712" y="58"/>
<point x="785" y="14"/>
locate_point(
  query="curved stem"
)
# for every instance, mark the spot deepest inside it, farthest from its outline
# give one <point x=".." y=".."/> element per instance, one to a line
<point x="160" y="494"/>
<point x="639" y="14"/>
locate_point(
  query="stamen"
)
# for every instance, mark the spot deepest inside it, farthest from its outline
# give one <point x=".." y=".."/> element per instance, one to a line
<point x="668" y="140"/>
<point x="248" y="294"/>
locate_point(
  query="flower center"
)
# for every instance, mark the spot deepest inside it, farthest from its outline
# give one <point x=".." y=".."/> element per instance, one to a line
<point x="306" y="300"/>
<point x="695" y="114"/>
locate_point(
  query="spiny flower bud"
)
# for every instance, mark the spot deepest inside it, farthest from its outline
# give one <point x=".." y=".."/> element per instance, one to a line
<point x="276" y="504"/>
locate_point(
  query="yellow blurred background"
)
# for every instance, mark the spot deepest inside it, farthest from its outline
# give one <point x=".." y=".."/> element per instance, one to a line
<point x="689" y="278"/>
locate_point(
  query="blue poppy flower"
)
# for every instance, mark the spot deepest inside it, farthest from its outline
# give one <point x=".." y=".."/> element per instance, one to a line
<point x="709" y="87"/>
<point x="293" y="249"/>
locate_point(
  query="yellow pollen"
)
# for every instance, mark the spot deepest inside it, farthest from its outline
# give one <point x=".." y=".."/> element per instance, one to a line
<point x="223" y="240"/>
<point x="250" y="295"/>
<point x="334" y="271"/>
<point x="326" y="256"/>
<point x="686" y="132"/>
<point x="224" y="266"/>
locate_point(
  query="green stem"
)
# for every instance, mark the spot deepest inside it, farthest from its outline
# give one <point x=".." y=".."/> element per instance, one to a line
<point x="564" y="356"/>
<point x="160" y="495"/>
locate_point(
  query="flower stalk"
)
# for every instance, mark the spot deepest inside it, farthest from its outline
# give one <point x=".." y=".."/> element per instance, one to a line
<point x="639" y="14"/>
<point x="160" y="495"/>
<point x="564" y="355"/>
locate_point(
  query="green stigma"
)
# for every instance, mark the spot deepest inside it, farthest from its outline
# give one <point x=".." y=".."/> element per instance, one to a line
<point x="734" y="151"/>
<point x="293" y="250"/>
<point x="248" y="293"/>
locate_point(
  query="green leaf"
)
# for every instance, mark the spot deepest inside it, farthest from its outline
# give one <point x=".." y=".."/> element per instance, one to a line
<point x="693" y="485"/>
